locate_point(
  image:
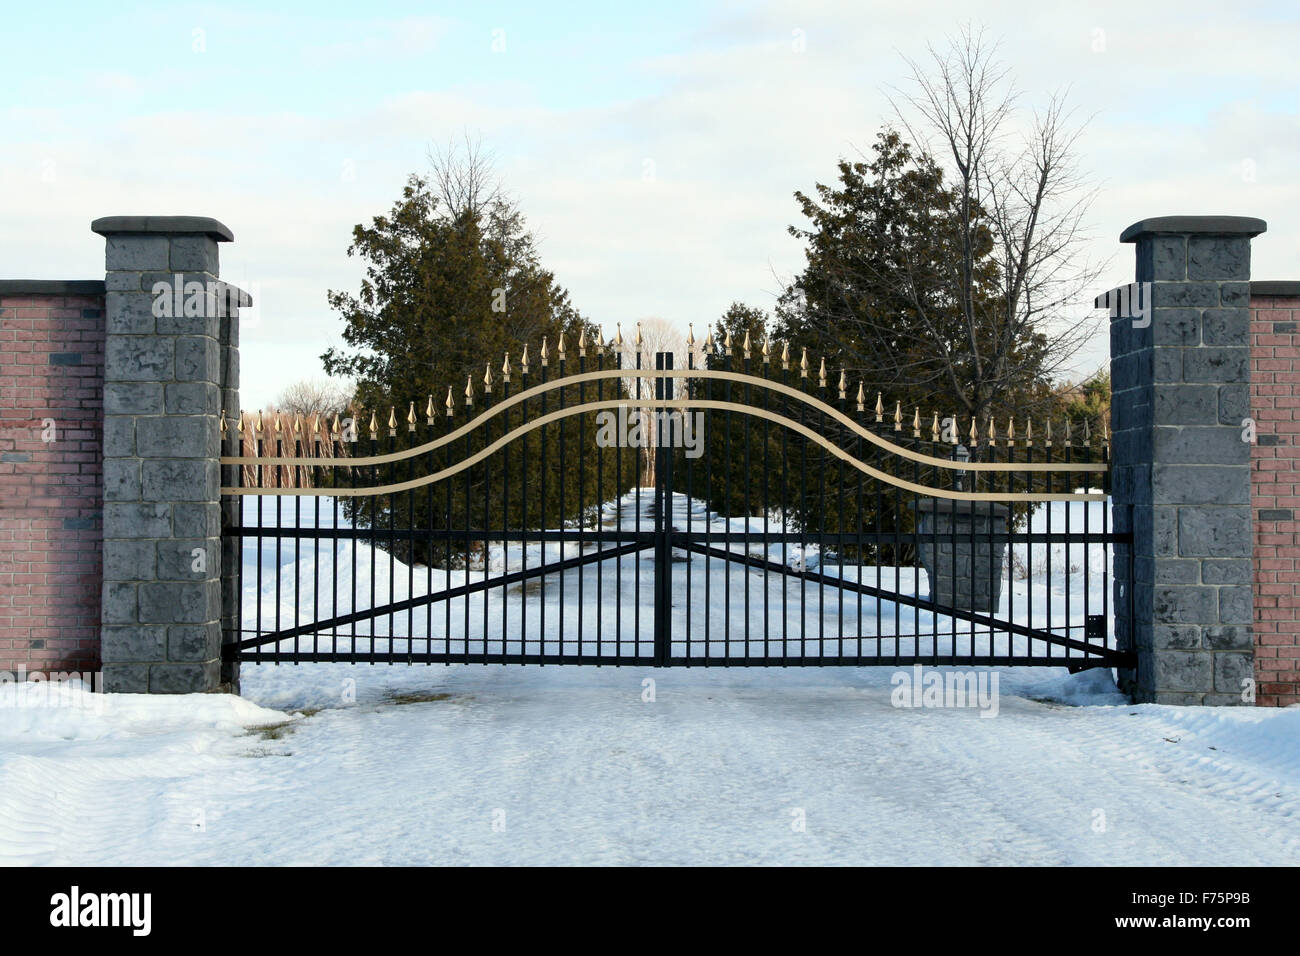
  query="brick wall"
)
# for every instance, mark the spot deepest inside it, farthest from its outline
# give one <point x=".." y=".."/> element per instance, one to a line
<point x="51" y="368"/>
<point x="1275" y="499"/>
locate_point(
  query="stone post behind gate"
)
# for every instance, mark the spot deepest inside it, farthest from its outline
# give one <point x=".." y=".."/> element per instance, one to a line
<point x="171" y="366"/>
<point x="1180" y="387"/>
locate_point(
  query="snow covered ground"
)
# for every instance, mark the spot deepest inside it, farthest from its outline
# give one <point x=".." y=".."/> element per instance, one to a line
<point x="356" y="764"/>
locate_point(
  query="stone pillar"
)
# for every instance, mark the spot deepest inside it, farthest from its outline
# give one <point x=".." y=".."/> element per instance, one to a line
<point x="1180" y="391"/>
<point x="962" y="574"/>
<point x="166" y="351"/>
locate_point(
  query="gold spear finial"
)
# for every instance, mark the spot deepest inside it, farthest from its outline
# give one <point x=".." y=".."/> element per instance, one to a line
<point x="803" y="363"/>
<point x="582" y="342"/>
<point x="726" y="343"/>
<point x="451" y="405"/>
<point x="767" y="348"/>
<point x="374" y="425"/>
<point x="821" y="374"/>
<point x="335" y="428"/>
<point x="1068" y="435"/>
<point x="861" y="397"/>
<point x="618" y="334"/>
<point x="257" y="424"/>
<point x="1011" y="430"/>
<point x="1048" y="440"/>
<point x="392" y="421"/>
<point x="410" y="418"/>
<point x="708" y="343"/>
<point x="559" y="346"/>
<point x="428" y="411"/>
<point x="992" y="432"/>
<point x="223" y="423"/>
<point x="690" y="336"/>
<point x="843" y="385"/>
<point x="639" y="339"/>
<point x="934" y="428"/>
<point x="277" y="424"/>
<point x="1029" y="432"/>
<point x="315" y="426"/>
<point x="916" y="423"/>
<point x="1105" y="433"/>
<point x="745" y="345"/>
<point x="523" y="360"/>
<point x="880" y="407"/>
<point x="974" y="433"/>
<point x="543" y="353"/>
<point x="239" y="425"/>
<point x="469" y="390"/>
<point x="297" y="425"/>
<point x="505" y="369"/>
<point x="785" y="356"/>
<point x="898" y="416"/>
<point x="1087" y="433"/>
<point x="487" y="379"/>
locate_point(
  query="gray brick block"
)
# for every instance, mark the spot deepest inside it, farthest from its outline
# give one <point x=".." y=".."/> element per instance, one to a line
<point x="133" y="398"/>
<point x="195" y="253"/>
<point x="136" y="253"/>
<point x="1175" y="637"/>
<point x="194" y="642"/>
<point x="144" y="358"/>
<point x="125" y="678"/>
<point x="129" y="313"/>
<point x="197" y="519"/>
<point x="1229" y="638"/>
<point x="179" y="602"/>
<point x="1196" y="444"/>
<point x="1227" y="571"/>
<point x="119" y="602"/>
<point x="1178" y="404"/>
<point x="1226" y="327"/>
<point x="1162" y="258"/>
<point x="1171" y="605"/>
<point x="1234" y="404"/>
<point x="1218" y="258"/>
<point x="132" y="520"/>
<point x="131" y="560"/>
<point x="184" y="678"/>
<point x="1183" y="672"/>
<point x="1232" y="671"/>
<point x="193" y="436"/>
<point x="1181" y="327"/>
<point x="134" y="643"/>
<point x="169" y="480"/>
<point x="119" y="436"/>
<point x="1236" y="605"/>
<point x="1217" y="364"/>
<point x="1182" y="295"/>
<point x="176" y="559"/>
<point x="193" y="398"/>
<point x="198" y="358"/>
<point x="122" y="479"/>
<point x="1215" y="532"/>
<point x="1200" y="484"/>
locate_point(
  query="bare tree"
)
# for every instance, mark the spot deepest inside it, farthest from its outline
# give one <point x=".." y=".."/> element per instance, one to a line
<point x="1027" y="191"/>
<point x="652" y="336"/>
<point x="311" y="397"/>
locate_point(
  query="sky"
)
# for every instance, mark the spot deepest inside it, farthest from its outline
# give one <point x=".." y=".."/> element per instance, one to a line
<point x="654" y="148"/>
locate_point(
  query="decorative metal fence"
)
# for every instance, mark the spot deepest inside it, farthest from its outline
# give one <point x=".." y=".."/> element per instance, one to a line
<point x="789" y="523"/>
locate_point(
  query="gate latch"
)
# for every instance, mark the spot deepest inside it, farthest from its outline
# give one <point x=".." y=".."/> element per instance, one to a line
<point x="1094" y="628"/>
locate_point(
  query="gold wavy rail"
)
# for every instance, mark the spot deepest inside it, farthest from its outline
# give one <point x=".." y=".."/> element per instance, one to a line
<point x="682" y="403"/>
<point x="483" y="417"/>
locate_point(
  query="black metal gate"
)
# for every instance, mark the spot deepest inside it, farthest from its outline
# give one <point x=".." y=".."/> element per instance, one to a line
<point x="786" y="524"/>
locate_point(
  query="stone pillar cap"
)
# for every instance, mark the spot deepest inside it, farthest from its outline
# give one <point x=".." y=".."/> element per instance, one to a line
<point x="1209" y="225"/>
<point x="163" y="225"/>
